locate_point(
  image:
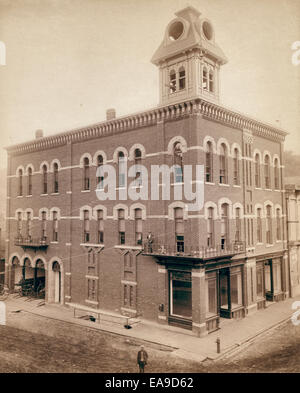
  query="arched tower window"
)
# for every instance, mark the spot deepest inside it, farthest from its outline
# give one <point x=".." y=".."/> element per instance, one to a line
<point x="223" y="164"/>
<point x="267" y="172"/>
<point x="20" y="191"/>
<point x="138" y="161"/>
<point x="55" y="178"/>
<point x="181" y="78"/>
<point x="209" y="163"/>
<point x="86" y="174"/>
<point x="45" y="179"/>
<point x="99" y="179"/>
<point x="173" y="86"/>
<point x="121" y="169"/>
<point x="178" y="162"/>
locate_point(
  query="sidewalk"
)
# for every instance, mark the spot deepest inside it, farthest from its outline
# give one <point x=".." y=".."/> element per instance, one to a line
<point x="234" y="334"/>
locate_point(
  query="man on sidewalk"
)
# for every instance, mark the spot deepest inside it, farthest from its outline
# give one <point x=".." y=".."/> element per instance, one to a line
<point x="142" y="359"/>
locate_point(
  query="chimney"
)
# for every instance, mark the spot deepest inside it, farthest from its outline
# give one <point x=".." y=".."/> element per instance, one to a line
<point x="39" y="134"/>
<point x="110" y="114"/>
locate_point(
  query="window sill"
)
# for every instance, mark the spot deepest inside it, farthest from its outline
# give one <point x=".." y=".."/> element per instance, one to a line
<point x="54" y="193"/>
<point x="223" y="184"/>
<point x="177" y="184"/>
<point x="128" y="247"/>
<point x="278" y="241"/>
<point x="29" y="196"/>
<point x="92" y="245"/>
<point x="268" y="189"/>
<point x="269" y="245"/>
<point x="44" y="195"/>
<point x="237" y="186"/>
<point x="85" y="190"/>
<point x="258" y="188"/>
<point x="20" y="196"/>
<point x="120" y="188"/>
<point x="210" y="183"/>
<point x="53" y="242"/>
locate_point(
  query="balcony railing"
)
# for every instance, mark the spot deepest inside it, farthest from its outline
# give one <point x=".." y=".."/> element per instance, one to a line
<point x="28" y="241"/>
<point x="194" y="252"/>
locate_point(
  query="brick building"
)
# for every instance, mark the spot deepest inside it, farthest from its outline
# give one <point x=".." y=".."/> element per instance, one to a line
<point x="225" y="260"/>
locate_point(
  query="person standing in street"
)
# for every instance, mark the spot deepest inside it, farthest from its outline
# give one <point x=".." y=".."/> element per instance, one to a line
<point x="142" y="359"/>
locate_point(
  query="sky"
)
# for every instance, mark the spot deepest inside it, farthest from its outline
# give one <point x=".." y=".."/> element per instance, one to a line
<point x="68" y="61"/>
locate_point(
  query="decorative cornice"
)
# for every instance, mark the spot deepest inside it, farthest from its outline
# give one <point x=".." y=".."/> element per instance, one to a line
<point x="207" y="109"/>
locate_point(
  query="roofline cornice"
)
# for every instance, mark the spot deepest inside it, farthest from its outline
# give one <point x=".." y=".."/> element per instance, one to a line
<point x="151" y="117"/>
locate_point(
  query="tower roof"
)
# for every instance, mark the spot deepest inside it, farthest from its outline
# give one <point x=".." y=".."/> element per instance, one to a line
<point x="186" y="32"/>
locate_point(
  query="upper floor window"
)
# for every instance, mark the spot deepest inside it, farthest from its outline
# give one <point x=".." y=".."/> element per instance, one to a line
<point x="223" y="164"/>
<point x="29" y="181"/>
<point x="55" y="178"/>
<point x="210" y="227"/>
<point x="121" y="169"/>
<point x="19" y="224"/>
<point x="178" y="162"/>
<point x="138" y="226"/>
<point x="28" y="226"/>
<point x="209" y="163"/>
<point x="86" y="226"/>
<point x="211" y="81"/>
<point x="269" y="224"/>
<point x="179" y="229"/>
<point x="45" y="179"/>
<point x="100" y="178"/>
<point x="44" y="225"/>
<point x="267" y="172"/>
<point x="173" y="81"/>
<point x="138" y="161"/>
<point x="121" y="225"/>
<point x="100" y="223"/>
<point x="20" y="191"/>
<point x="278" y="225"/>
<point x="257" y="171"/>
<point x="259" y="226"/>
<point x="204" y="79"/>
<point x="181" y="78"/>
<point x="224" y="225"/>
<point x="238" y="225"/>
<point x="276" y="174"/>
<point x="236" y="169"/>
<point x="86" y="174"/>
<point x="55" y="227"/>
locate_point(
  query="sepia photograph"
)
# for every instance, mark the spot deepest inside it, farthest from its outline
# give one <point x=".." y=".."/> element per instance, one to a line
<point x="149" y="189"/>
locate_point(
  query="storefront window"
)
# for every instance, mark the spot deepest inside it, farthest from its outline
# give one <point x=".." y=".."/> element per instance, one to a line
<point x="181" y="294"/>
<point x="211" y="294"/>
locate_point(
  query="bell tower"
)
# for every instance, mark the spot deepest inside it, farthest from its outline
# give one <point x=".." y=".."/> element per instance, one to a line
<point x="188" y="59"/>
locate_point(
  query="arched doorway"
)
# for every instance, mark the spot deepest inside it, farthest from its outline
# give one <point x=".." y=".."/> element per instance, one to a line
<point x="39" y="278"/>
<point x="27" y="270"/>
<point x="56" y="282"/>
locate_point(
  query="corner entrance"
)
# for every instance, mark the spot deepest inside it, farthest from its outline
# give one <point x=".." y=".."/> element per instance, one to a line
<point x="180" y="298"/>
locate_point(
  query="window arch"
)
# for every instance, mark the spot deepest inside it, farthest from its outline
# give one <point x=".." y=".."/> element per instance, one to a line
<point x="55" y="178"/>
<point x="45" y="179"/>
<point x="86" y="173"/>
<point x="181" y="78"/>
<point x="236" y="167"/>
<point x="173" y="86"/>
<point x="20" y="186"/>
<point x="223" y="163"/>
<point x="178" y="162"/>
<point x="267" y="171"/>
<point x="209" y="162"/>
<point x="257" y="170"/>
<point x="276" y="174"/>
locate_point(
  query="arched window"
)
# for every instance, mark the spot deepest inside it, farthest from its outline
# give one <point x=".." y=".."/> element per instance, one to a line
<point x="204" y="79"/>
<point x="20" y="182"/>
<point x="238" y="225"/>
<point x="121" y="169"/>
<point x="138" y="226"/>
<point x="223" y="164"/>
<point x="211" y="81"/>
<point x="86" y="174"/>
<point x="100" y="222"/>
<point x="278" y="225"/>
<point x="138" y="161"/>
<point x="86" y="226"/>
<point x="28" y="225"/>
<point x="267" y="171"/>
<point x="44" y="226"/>
<point x="224" y="226"/>
<point x="173" y="87"/>
<point x="259" y="226"/>
<point x="276" y="174"/>
<point x="210" y="227"/>
<point x="181" y="78"/>
<point x="269" y="224"/>
<point x="179" y="229"/>
<point x="29" y="181"/>
<point x="99" y="179"/>
<point x="55" y="227"/>
<point x="45" y="179"/>
<point x="19" y="225"/>
<point x="236" y="169"/>
<point x="178" y="162"/>
<point x="257" y="171"/>
<point x="209" y="163"/>
<point x="55" y="178"/>
<point x="121" y="225"/>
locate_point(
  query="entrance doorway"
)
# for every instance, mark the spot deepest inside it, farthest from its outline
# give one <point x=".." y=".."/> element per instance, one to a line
<point x="181" y="295"/>
<point x="56" y="282"/>
<point x="230" y="292"/>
